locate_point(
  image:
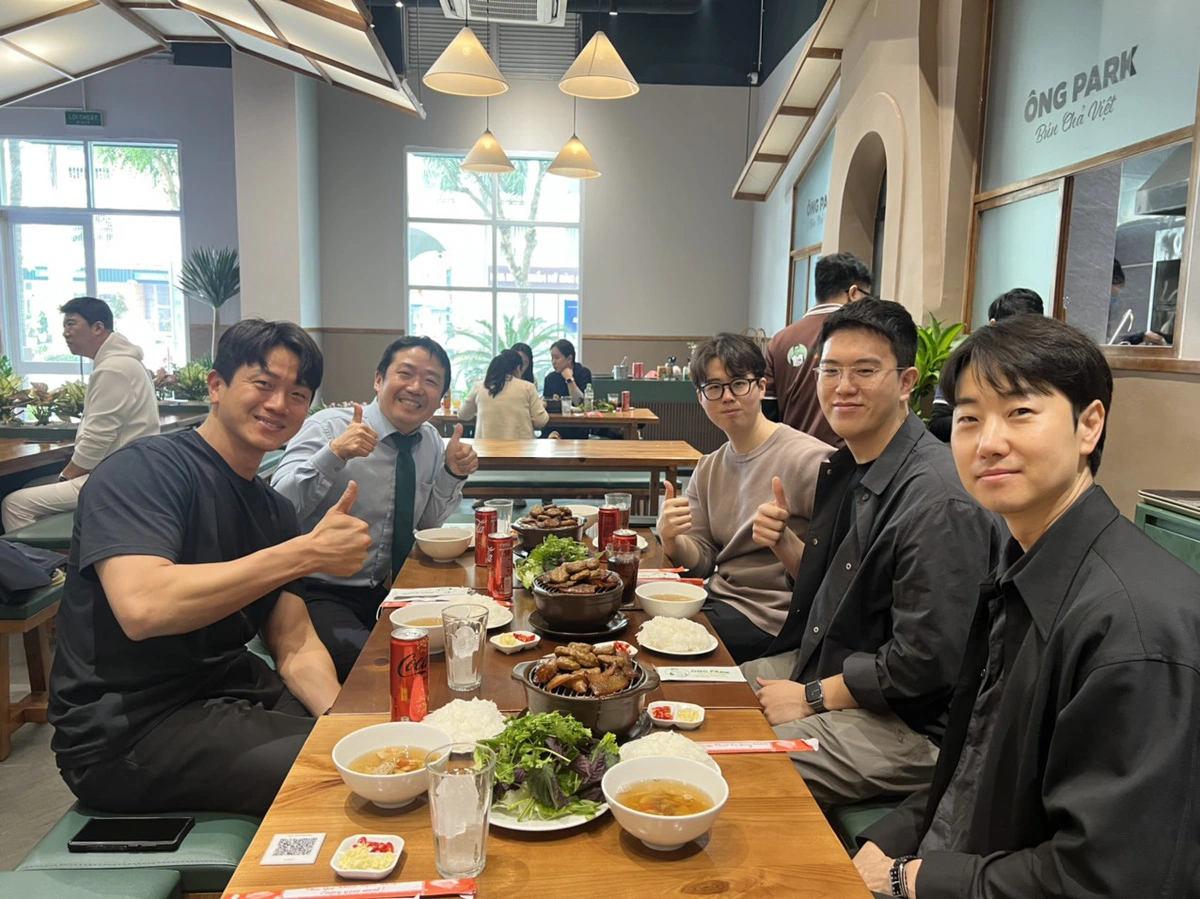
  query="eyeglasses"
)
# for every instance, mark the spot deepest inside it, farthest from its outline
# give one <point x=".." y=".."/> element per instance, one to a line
<point x="857" y="374"/>
<point x="714" y="390"/>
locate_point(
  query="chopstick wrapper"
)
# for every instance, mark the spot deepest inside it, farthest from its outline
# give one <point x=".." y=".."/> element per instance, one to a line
<point x="730" y="747"/>
<point x="730" y="674"/>
<point x="400" y="598"/>
<point x="413" y="889"/>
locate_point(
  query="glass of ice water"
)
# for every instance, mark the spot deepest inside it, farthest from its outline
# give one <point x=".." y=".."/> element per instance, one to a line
<point x="504" y="513"/>
<point x="460" y="796"/>
<point x="465" y="627"/>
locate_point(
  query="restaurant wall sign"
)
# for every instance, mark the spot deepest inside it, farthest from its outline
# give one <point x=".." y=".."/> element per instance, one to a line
<point x="1102" y="79"/>
<point x="1072" y="80"/>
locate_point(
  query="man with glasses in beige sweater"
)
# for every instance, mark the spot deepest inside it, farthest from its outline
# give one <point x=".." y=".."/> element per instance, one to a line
<point x="710" y="530"/>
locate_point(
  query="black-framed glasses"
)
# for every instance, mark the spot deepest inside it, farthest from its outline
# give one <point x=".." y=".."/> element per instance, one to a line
<point x="857" y="374"/>
<point x="714" y="390"/>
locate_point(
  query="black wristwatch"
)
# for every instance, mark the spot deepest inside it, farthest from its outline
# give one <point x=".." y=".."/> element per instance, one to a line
<point x="814" y="695"/>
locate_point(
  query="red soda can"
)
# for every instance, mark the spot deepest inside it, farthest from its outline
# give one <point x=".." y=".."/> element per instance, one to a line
<point x="410" y="674"/>
<point x="639" y="370"/>
<point x="500" y="574"/>
<point x="624" y="541"/>
<point x="608" y="522"/>
<point x="485" y="523"/>
<point x="626" y="401"/>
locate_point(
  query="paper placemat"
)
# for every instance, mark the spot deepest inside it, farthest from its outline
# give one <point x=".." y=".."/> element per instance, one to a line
<point x="731" y="747"/>
<point x="730" y="674"/>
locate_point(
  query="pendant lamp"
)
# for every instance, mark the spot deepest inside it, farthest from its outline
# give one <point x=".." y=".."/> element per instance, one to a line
<point x="574" y="160"/>
<point x="598" y="73"/>
<point x="487" y="156"/>
<point x="465" y="69"/>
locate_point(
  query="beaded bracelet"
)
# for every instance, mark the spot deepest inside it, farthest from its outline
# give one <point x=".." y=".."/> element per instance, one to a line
<point x="899" y="885"/>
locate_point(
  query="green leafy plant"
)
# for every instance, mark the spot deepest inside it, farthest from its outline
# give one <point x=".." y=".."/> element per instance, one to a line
<point x="934" y="346"/>
<point x="40" y="401"/>
<point x="213" y="277"/>
<point x="191" y="381"/>
<point x="69" y="403"/>
<point x="12" y="391"/>
<point x="487" y="341"/>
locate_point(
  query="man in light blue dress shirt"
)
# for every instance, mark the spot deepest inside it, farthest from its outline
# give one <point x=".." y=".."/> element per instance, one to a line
<point x="336" y="446"/>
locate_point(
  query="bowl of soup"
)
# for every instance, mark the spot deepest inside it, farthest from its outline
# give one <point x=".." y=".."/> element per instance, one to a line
<point x="385" y="763"/>
<point x="444" y="544"/>
<point x="664" y="802"/>
<point x="428" y="617"/>
<point x="671" y="599"/>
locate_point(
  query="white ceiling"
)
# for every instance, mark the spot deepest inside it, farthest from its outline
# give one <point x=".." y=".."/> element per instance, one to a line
<point x="47" y="43"/>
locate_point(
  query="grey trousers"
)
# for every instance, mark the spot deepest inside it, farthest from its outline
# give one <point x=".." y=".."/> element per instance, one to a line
<point x="863" y="754"/>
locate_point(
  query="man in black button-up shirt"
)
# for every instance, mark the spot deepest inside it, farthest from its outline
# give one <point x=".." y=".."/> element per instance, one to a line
<point x="886" y="586"/>
<point x="1070" y="764"/>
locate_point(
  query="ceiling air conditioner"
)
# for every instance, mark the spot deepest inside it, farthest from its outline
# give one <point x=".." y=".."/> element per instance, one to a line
<point x="518" y="12"/>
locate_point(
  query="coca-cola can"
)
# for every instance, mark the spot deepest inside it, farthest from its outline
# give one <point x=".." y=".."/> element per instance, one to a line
<point x="500" y="572"/>
<point x="624" y="540"/>
<point x="485" y="523"/>
<point x="410" y="674"/>
<point x="608" y="522"/>
<point x="626" y="401"/>
<point x="639" y="370"/>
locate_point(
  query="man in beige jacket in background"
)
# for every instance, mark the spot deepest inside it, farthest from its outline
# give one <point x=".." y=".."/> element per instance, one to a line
<point x="119" y="407"/>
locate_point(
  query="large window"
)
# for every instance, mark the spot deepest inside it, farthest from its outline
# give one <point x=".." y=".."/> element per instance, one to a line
<point x="101" y="219"/>
<point x="493" y="260"/>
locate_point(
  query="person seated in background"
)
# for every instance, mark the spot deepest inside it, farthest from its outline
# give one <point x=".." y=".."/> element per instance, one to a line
<point x="407" y="478"/>
<point x="1069" y="765"/>
<point x="180" y="555"/>
<point x="526" y="371"/>
<point x="508" y="407"/>
<point x="567" y="381"/>
<point x="883" y="599"/>
<point x="119" y="407"/>
<point x="712" y="530"/>
<point x="1018" y="301"/>
<point x="839" y="278"/>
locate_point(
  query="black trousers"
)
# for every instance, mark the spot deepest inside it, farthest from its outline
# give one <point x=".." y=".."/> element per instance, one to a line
<point x="343" y="618"/>
<point x="224" y="753"/>
<point x="743" y="639"/>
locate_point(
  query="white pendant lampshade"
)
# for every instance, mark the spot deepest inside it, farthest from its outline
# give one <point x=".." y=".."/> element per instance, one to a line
<point x="488" y="157"/>
<point x="598" y="73"/>
<point x="574" y="161"/>
<point x="465" y="69"/>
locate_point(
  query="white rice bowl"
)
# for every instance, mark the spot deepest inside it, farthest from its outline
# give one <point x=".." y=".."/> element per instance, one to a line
<point x="467" y="721"/>
<point x="680" y="635"/>
<point x="667" y="744"/>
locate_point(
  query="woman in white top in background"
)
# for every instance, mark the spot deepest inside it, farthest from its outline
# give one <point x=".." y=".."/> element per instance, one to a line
<point x="508" y="407"/>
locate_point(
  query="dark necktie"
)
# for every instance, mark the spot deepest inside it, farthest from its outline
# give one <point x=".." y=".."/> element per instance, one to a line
<point x="405" y="498"/>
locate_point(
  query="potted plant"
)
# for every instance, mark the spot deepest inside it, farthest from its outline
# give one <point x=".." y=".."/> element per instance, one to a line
<point x="191" y="381"/>
<point x="213" y="277"/>
<point x="69" y="404"/>
<point x="40" y="402"/>
<point x="12" y="392"/>
<point x="934" y="346"/>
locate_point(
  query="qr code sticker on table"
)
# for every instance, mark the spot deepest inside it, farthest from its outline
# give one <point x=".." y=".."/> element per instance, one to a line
<point x="293" y="849"/>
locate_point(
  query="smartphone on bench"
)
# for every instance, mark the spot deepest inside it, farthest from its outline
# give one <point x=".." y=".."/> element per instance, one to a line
<point x="141" y="834"/>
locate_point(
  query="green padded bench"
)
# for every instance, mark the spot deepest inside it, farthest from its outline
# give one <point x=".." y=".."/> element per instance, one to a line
<point x="30" y="619"/>
<point x="541" y="485"/>
<point x="205" y="862"/>
<point x="850" y="820"/>
<point x="52" y="532"/>
<point x="125" y="884"/>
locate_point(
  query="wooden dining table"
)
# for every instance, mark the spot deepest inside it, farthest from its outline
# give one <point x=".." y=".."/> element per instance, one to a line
<point x="629" y="423"/>
<point x="771" y="839"/>
<point x="661" y="459"/>
<point x="17" y="454"/>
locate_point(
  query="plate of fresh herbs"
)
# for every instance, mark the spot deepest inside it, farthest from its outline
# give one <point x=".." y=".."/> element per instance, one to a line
<point x="550" y="553"/>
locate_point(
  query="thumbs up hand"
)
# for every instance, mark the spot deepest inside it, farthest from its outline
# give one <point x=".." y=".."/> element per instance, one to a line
<point x="338" y="544"/>
<point x="460" y="457"/>
<point x="770" y="521"/>
<point x="357" y="440"/>
<point x="674" y="517"/>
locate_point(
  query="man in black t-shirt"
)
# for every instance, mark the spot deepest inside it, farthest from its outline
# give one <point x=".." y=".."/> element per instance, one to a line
<point x="181" y="555"/>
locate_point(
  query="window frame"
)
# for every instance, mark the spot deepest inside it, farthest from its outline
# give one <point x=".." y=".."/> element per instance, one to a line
<point x="84" y="216"/>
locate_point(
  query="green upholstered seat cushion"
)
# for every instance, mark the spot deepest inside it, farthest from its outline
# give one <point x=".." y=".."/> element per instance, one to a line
<point x="51" y="532"/>
<point x="150" y="883"/>
<point x="32" y="602"/>
<point x="206" y="860"/>
<point x="851" y="820"/>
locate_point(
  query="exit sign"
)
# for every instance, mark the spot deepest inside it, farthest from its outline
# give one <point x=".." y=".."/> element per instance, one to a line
<point x="85" y="117"/>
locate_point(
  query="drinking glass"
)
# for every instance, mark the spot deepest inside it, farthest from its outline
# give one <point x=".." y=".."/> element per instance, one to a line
<point x="465" y="628"/>
<point x="615" y="400"/>
<point x="625" y="564"/>
<point x="460" y="797"/>
<point x="622" y="501"/>
<point x="504" y="510"/>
